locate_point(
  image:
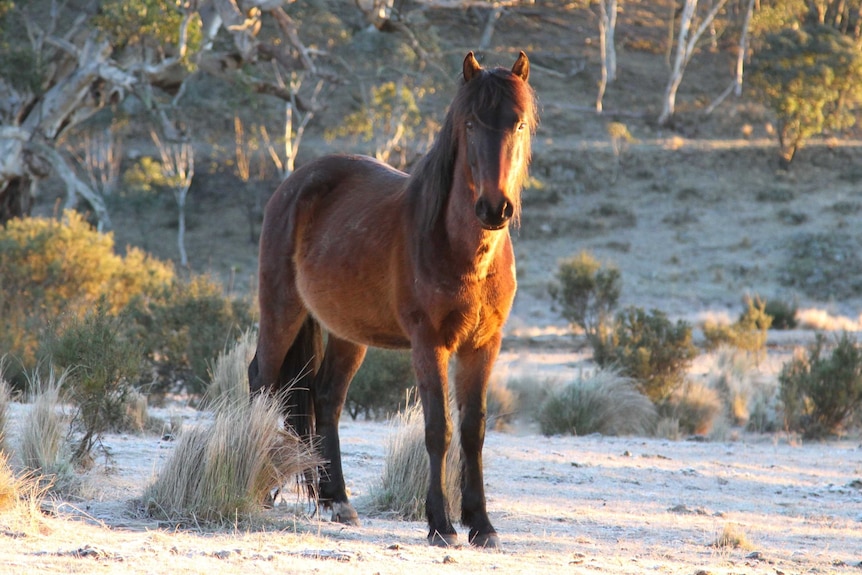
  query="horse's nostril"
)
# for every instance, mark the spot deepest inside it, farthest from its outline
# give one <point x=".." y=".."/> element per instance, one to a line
<point x="508" y="210"/>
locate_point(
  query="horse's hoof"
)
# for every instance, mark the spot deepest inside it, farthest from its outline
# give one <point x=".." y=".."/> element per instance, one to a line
<point x="485" y="541"/>
<point x="443" y="539"/>
<point x="344" y="513"/>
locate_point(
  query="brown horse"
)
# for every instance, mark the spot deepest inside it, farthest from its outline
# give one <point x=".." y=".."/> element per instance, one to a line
<point x="380" y="258"/>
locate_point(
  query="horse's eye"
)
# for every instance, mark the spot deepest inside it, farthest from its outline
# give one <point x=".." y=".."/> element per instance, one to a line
<point x="522" y="126"/>
<point x="469" y="126"/>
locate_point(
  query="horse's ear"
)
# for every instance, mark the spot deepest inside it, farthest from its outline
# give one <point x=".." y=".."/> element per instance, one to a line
<point x="522" y="67"/>
<point x="471" y="67"/>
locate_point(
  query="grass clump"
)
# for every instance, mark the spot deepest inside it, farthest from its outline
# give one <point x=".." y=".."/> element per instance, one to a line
<point x="693" y="407"/>
<point x="732" y="536"/>
<point x="226" y="470"/>
<point x="5" y="399"/>
<point x="230" y="373"/>
<point x="380" y="386"/>
<point x="404" y="484"/>
<point x="42" y="443"/>
<point x="606" y="403"/>
<point x="21" y="496"/>
<point x="821" y="394"/>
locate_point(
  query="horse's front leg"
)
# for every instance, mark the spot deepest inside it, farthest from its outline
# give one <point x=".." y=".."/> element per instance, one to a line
<point x="471" y="380"/>
<point x="430" y="365"/>
<point x="341" y="361"/>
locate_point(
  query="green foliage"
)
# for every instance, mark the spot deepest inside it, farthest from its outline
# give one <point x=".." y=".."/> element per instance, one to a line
<point x="650" y="349"/>
<point x="184" y="327"/>
<point x="20" y="65"/>
<point x="748" y="333"/>
<point x="61" y="268"/>
<point x="380" y="387"/>
<point x="389" y="118"/>
<point x="811" y="77"/>
<point x="588" y="293"/>
<point x="101" y="364"/>
<point x="605" y="403"/>
<point x="130" y="22"/>
<point x="821" y="394"/>
<point x="783" y="313"/>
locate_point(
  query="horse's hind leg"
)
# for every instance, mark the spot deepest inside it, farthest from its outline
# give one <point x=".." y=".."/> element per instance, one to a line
<point x="340" y="363"/>
<point x="471" y="378"/>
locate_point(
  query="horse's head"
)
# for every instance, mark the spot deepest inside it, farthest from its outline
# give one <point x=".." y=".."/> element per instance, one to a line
<point x="497" y="119"/>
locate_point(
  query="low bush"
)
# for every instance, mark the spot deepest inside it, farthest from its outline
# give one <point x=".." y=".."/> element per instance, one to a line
<point x="822" y="393"/>
<point x="588" y="293"/>
<point x="748" y="333"/>
<point x="606" y="403"/>
<point x="650" y="349"/>
<point x="783" y="313"/>
<point x="183" y="328"/>
<point x="380" y="386"/>
<point x="61" y="268"/>
<point x="100" y="365"/>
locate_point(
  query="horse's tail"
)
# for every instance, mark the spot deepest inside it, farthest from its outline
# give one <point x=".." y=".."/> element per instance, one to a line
<point x="296" y="378"/>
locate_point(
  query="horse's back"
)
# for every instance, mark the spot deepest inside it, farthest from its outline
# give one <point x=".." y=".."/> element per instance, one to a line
<point x="338" y="224"/>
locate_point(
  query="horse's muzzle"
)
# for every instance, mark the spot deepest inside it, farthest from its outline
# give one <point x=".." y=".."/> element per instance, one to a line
<point x="494" y="217"/>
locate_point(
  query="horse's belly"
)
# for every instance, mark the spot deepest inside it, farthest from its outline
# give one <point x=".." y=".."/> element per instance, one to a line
<point x="351" y="307"/>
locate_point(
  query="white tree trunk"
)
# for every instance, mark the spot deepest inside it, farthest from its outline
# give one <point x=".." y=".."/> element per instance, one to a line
<point x="686" y="43"/>
<point x="607" y="28"/>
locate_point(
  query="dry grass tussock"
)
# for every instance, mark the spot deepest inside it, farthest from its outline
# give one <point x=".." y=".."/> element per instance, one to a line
<point x="230" y="372"/>
<point x="605" y="403"/>
<point x="5" y="398"/>
<point x="20" y="500"/>
<point x="225" y="471"/>
<point x="42" y="444"/>
<point x="404" y="484"/>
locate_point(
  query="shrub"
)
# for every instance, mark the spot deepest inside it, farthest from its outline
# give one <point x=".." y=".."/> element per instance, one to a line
<point x="605" y="403"/>
<point x="404" y="484"/>
<point x="783" y="313"/>
<point x="694" y="407"/>
<point x="100" y="363"/>
<point x="732" y="381"/>
<point x="820" y="394"/>
<point x="380" y="386"/>
<point x="226" y="470"/>
<point x="58" y="268"/>
<point x="184" y="327"/>
<point x="823" y="265"/>
<point x="587" y="292"/>
<point x="749" y="333"/>
<point x="650" y="349"/>
<point x="809" y="76"/>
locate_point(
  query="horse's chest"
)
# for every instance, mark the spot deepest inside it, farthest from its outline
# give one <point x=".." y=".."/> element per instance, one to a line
<point x="471" y="316"/>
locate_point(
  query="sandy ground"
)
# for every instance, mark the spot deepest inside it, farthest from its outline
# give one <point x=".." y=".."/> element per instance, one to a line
<point x="561" y="505"/>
